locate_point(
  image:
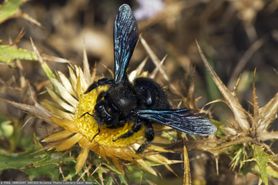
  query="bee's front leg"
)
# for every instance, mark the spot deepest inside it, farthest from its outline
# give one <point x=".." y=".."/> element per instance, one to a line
<point x="103" y="81"/>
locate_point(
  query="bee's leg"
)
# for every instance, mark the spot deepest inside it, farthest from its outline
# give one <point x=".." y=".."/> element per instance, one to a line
<point x="103" y="81"/>
<point x="95" y="135"/>
<point x="149" y="135"/>
<point x="135" y="128"/>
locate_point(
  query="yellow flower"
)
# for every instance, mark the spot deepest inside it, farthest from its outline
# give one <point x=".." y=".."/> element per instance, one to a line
<point x="72" y="110"/>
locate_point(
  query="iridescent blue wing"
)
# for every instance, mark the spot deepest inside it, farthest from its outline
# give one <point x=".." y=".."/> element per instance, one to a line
<point x="125" y="38"/>
<point x="180" y="119"/>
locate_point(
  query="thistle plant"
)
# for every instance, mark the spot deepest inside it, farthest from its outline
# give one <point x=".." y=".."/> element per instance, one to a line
<point x="75" y="150"/>
<point x="244" y="138"/>
<point x="66" y="110"/>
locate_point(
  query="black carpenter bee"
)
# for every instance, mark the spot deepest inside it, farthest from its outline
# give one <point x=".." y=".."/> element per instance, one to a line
<point x="143" y="101"/>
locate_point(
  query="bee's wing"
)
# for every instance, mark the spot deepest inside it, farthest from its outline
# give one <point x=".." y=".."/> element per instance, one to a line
<point x="125" y="38"/>
<point x="180" y="119"/>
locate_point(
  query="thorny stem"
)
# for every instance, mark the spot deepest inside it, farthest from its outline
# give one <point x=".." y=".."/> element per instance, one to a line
<point x="226" y="145"/>
<point x="221" y="147"/>
<point x="186" y="164"/>
<point x="274" y="165"/>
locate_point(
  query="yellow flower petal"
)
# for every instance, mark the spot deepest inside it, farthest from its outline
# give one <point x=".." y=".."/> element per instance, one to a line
<point x="146" y="166"/>
<point x="66" y="83"/>
<point x="64" y="123"/>
<point x="73" y="78"/>
<point x="160" y="159"/>
<point x="80" y="74"/>
<point x="57" y="136"/>
<point x="79" y="89"/>
<point x="86" y="67"/>
<point x="64" y="93"/>
<point x="81" y="159"/>
<point x="60" y="101"/>
<point x="159" y="149"/>
<point x="58" y="112"/>
<point x="123" y="153"/>
<point x="118" y="164"/>
<point x="68" y="143"/>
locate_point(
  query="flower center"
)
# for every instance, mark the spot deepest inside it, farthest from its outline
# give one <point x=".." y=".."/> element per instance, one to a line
<point x="94" y="132"/>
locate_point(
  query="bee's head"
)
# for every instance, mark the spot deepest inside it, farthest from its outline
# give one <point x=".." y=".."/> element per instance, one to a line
<point x="122" y="98"/>
<point x="116" y="104"/>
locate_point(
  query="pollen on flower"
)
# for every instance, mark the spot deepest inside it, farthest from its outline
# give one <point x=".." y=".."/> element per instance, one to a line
<point x="91" y="130"/>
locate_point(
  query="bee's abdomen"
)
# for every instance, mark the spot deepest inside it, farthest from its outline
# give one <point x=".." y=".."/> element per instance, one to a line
<point x="150" y="94"/>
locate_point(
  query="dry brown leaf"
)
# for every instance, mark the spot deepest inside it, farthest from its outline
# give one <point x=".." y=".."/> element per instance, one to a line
<point x="186" y="164"/>
<point x="240" y="114"/>
<point x="268" y="113"/>
<point x="154" y="58"/>
<point x="35" y="110"/>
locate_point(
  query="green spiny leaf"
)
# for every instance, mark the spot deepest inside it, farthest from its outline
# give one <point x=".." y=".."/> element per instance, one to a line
<point x="123" y="180"/>
<point x="272" y="172"/>
<point x="35" y="164"/>
<point x="262" y="159"/>
<point x="20" y="160"/>
<point x="9" y="8"/>
<point x="10" y="53"/>
<point x="46" y="69"/>
<point x="109" y="181"/>
<point x="238" y="157"/>
<point x="50" y="170"/>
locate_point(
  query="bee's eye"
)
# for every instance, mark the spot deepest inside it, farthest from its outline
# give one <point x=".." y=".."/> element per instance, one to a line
<point x="114" y="106"/>
<point x="110" y="103"/>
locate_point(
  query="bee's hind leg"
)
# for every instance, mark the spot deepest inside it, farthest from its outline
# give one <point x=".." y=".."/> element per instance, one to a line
<point x="135" y="128"/>
<point x="149" y="135"/>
